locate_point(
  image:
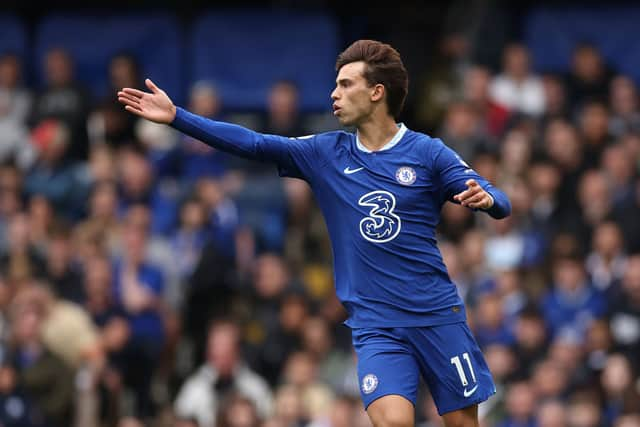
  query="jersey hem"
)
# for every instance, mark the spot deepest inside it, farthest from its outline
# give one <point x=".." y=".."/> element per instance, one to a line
<point x="404" y="324"/>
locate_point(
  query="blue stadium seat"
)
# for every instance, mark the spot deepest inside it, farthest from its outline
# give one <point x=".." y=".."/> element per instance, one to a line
<point x="552" y="33"/>
<point x="13" y="37"/>
<point x="92" y="40"/>
<point x="243" y="53"/>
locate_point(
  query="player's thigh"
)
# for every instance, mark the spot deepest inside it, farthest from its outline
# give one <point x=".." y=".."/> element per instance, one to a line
<point x="386" y="365"/>
<point x="465" y="417"/>
<point x="453" y="366"/>
<point x="391" y="410"/>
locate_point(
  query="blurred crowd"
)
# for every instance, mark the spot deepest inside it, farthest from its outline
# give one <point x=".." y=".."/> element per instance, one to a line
<point x="147" y="279"/>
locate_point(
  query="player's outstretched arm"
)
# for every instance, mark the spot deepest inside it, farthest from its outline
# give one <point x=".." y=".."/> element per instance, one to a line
<point x="158" y="107"/>
<point x="155" y="106"/>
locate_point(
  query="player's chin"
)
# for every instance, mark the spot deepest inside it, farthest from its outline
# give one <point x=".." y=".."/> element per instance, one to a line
<point x="344" y="121"/>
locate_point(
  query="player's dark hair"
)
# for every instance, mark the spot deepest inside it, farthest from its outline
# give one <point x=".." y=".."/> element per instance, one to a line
<point x="383" y="66"/>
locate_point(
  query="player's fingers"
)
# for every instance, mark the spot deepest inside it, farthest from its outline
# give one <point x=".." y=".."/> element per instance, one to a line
<point x="466" y="194"/>
<point x="152" y="86"/>
<point x="134" y="110"/>
<point x="129" y="103"/>
<point x="485" y="203"/>
<point x="481" y="205"/>
<point x="461" y="195"/>
<point x="476" y="198"/>
<point x="130" y="98"/>
<point x="472" y="183"/>
<point x="133" y="92"/>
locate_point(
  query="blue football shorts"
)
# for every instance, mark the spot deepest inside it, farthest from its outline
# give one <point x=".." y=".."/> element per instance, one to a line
<point x="390" y="361"/>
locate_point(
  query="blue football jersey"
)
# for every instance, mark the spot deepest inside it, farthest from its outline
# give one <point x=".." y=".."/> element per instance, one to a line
<point x="381" y="209"/>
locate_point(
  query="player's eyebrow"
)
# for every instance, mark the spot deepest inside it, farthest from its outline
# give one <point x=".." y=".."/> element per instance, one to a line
<point x="343" y="81"/>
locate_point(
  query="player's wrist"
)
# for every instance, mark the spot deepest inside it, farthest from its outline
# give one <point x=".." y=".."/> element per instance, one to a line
<point x="491" y="201"/>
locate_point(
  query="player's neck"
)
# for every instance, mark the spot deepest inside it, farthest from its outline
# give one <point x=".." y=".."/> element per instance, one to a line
<point x="377" y="132"/>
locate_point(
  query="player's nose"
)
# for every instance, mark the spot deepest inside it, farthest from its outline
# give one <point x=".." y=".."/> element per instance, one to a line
<point x="334" y="94"/>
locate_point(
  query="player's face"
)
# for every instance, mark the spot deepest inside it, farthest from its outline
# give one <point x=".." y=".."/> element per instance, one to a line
<point x="352" y="97"/>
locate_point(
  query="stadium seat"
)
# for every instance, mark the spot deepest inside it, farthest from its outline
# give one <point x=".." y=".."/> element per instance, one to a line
<point x="92" y="40"/>
<point x="552" y="33"/>
<point x="244" y="52"/>
<point x="13" y="37"/>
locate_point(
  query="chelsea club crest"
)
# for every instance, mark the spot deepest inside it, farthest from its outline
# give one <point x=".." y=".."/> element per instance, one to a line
<point x="369" y="383"/>
<point x="406" y="175"/>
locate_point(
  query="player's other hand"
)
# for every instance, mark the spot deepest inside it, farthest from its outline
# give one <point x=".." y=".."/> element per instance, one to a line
<point x="474" y="196"/>
<point x="155" y="106"/>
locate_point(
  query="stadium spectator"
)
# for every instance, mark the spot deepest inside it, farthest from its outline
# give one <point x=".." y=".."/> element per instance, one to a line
<point x="54" y="175"/>
<point x="530" y="340"/>
<point x="332" y="362"/>
<point x="271" y="283"/>
<point x="222" y="216"/>
<point x="189" y="159"/>
<point x="238" y="411"/>
<point x="571" y="302"/>
<point x="283" y="112"/>
<point x="607" y="261"/>
<point x="455" y="222"/>
<point x="596" y="204"/>
<point x="108" y="124"/>
<point x="584" y="409"/>
<point x="441" y="83"/>
<point x="137" y="287"/>
<point x="462" y="129"/>
<point x="62" y="272"/>
<point x="138" y="186"/>
<point x="593" y="122"/>
<point x="223" y="373"/>
<point x="544" y="180"/>
<point x="15" y="103"/>
<point x="16" y="409"/>
<point x="515" y="155"/>
<point x="589" y="77"/>
<point x="64" y="99"/>
<point x="21" y="261"/>
<point x="550" y="380"/>
<point x="476" y="86"/>
<point x="617" y="161"/>
<point x="45" y="377"/>
<point x="189" y="239"/>
<point x="623" y="103"/>
<point x="15" y="97"/>
<point x="624" y="310"/>
<point x="288" y="408"/>
<point x="520" y="406"/>
<point x="621" y="395"/>
<point x="552" y="413"/>
<point x="555" y="95"/>
<point x="490" y="326"/>
<point x="516" y="87"/>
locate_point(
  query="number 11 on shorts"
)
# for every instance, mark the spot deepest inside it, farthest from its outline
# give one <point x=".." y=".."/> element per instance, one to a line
<point x="463" y="377"/>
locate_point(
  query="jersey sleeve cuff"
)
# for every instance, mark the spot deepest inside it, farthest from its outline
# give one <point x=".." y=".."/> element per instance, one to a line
<point x="179" y="119"/>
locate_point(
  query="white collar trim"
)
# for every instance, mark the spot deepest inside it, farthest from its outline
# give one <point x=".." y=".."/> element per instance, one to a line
<point x="396" y="138"/>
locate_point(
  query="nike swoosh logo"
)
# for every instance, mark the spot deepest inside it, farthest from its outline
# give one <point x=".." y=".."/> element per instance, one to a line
<point x="470" y="392"/>
<point x="350" y="171"/>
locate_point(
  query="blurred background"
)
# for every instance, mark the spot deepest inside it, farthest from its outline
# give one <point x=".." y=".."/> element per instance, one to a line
<point x="149" y="280"/>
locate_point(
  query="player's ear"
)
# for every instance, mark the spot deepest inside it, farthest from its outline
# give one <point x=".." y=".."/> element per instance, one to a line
<point x="378" y="92"/>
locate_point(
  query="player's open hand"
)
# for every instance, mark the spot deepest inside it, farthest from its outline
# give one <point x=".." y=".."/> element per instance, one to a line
<point x="155" y="106"/>
<point x="474" y="196"/>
